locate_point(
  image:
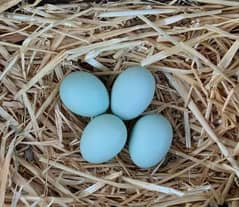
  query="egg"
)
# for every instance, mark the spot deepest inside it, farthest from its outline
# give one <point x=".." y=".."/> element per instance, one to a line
<point x="132" y="92"/>
<point x="103" y="138"/>
<point x="84" y="94"/>
<point x="150" y="140"/>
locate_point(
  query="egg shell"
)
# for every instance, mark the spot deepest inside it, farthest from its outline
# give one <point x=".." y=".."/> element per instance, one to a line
<point x="150" y="140"/>
<point x="132" y="92"/>
<point x="84" y="94"/>
<point x="103" y="138"/>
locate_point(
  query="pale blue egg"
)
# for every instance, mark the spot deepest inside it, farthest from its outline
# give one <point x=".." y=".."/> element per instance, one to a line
<point x="132" y="92"/>
<point x="103" y="138"/>
<point x="150" y="140"/>
<point x="84" y="94"/>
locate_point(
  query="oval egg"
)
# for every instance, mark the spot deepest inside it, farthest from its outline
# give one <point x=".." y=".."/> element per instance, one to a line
<point x="150" y="140"/>
<point x="84" y="94"/>
<point x="103" y="138"/>
<point x="132" y="92"/>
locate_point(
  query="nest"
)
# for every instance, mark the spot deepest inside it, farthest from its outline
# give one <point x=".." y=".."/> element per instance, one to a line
<point x="191" y="49"/>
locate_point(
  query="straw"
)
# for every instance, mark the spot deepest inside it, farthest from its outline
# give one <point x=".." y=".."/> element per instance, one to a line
<point x="190" y="47"/>
<point x="8" y="4"/>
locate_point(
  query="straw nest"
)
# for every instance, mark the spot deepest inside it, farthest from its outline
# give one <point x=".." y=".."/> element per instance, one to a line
<point x="192" y="50"/>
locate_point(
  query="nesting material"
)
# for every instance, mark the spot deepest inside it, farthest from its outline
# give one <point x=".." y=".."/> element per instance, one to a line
<point x="191" y="47"/>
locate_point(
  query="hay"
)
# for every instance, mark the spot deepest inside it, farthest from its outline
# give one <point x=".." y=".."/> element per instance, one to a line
<point x="193" y="53"/>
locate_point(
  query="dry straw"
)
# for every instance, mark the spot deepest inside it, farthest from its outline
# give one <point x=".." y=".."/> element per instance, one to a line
<point x="191" y="47"/>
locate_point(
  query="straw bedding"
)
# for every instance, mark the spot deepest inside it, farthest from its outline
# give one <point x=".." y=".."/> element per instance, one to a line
<point x="191" y="47"/>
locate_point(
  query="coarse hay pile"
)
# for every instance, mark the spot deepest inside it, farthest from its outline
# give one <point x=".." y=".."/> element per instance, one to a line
<point x="192" y="49"/>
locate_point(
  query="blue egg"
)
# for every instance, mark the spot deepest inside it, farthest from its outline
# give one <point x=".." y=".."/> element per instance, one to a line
<point x="103" y="138"/>
<point x="150" y="140"/>
<point x="84" y="94"/>
<point x="132" y="92"/>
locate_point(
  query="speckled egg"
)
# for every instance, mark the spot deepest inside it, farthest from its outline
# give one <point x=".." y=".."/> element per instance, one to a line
<point x="150" y="140"/>
<point x="103" y="138"/>
<point x="132" y="92"/>
<point x="84" y="94"/>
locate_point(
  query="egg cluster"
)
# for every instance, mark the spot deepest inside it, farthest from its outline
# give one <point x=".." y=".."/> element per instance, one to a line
<point x="106" y="134"/>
